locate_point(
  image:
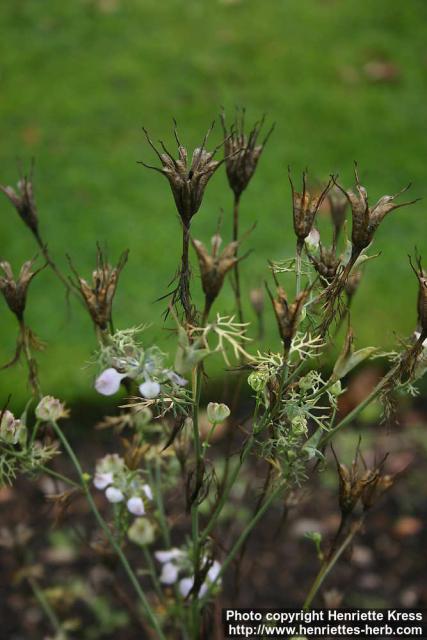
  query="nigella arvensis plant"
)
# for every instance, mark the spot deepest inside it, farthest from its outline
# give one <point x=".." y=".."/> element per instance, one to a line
<point x="242" y="150"/>
<point x="188" y="180"/>
<point x="172" y="499"/>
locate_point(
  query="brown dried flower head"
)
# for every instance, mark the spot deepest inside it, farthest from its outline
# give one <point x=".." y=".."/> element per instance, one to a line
<point x="287" y="315"/>
<point x="353" y="482"/>
<point x="366" y="219"/>
<point x="305" y="208"/>
<point x="98" y="296"/>
<point x="187" y="181"/>
<point x="23" y="200"/>
<point x="242" y="151"/>
<point x="214" y="266"/>
<point x="15" y="291"/>
<point x="422" y="293"/>
<point x="326" y="264"/>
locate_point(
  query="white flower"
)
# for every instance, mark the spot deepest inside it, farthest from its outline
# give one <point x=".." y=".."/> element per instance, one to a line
<point x="109" y="381"/>
<point x="114" y="495"/>
<point x="167" y="556"/>
<point x="185" y="585"/>
<point x="214" y="571"/>
<point x="176" y="379"/>
<point x="149" y="389"/>
<point x="147" y="490"/>
<point x="169" y="573"/>
<point x="136" y="506"/>
<point x="102" y="480"/>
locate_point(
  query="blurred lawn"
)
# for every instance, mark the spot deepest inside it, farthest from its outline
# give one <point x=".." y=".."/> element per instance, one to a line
<point x="78" y="79"/>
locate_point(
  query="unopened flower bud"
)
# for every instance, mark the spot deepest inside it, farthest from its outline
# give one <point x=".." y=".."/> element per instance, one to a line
<point x="217" y="412"/>
<point x="142" y="531"/>
<point x="51" y="409"/>
<point x="12" y="430"/>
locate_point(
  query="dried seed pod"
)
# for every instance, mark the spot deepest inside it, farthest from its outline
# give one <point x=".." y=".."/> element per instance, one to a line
<point x="422" y="292"/>
<point x="242" y="151"/>
<point x="305" y="208"/>
<point x="375" y="489"/>
<point x="24" y="202"/>
<point x="287" y="315"/>
<point x="366" y="219"/>
<point x="214" y="267"/>
<point x="326" y="264"/>
<point x="15" y="291"/>
<point x="353" y="482"/>
<point x="187" y="181"/>
<point x="98" y="296"/>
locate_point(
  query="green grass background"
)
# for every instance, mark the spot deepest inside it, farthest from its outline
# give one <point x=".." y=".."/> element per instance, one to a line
<point x="79" y="78"/>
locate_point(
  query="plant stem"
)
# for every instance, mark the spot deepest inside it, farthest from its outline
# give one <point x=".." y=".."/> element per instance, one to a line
<point x="194" y="504"/>
<point x="45" y="605"/>
<point x="298" y="267"/>
<point x="353" y="414"/>
<point x="160" y="506"/>
<point x="59" y="476"/>
<point x="327" y="567"/>
<point x="152" y="570"/>
<point x="126" y="566"/>
<point x="31" y="362"/>
<point x="241" y="539"/>
<point x="237" y="291"/>
<point x="184" y="277"/>
<point x="215" y="515"/>
<point x="51" y="263"/>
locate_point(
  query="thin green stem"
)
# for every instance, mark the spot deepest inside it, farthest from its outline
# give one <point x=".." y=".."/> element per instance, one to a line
<point x="126" y="566"/>
<point x="327" y="567"/>
<point x="160" y="506"/>
<point x="241" y="539"/>
<point x="353" y="414"/>
<point x="237" y="291"/>
<point x="45" y="605"/>
<point x="152" y="570"/>
<point x="298" y="268"/>
<point x="232" y="478"/>
<point x="59" y="476"/>
<point x="198" y="481"/>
